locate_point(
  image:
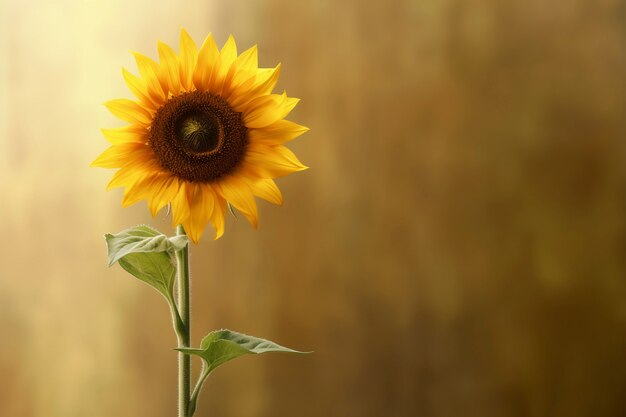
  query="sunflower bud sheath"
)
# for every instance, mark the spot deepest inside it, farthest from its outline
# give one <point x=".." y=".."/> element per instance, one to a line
<point x="204" y="132"/>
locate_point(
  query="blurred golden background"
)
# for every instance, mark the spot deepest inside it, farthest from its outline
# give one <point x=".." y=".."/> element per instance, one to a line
<point x="458" y="247"/>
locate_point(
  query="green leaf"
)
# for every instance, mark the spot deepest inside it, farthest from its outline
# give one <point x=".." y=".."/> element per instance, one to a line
<point x="148" y="255"/>
<point x="142" y="239"/>
<point x="221" y="346"/>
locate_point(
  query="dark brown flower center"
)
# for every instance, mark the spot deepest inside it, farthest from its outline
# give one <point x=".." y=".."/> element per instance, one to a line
<point x="198" y="136"/>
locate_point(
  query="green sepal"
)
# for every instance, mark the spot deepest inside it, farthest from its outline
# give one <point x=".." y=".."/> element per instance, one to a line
<point x="148" y="255"/>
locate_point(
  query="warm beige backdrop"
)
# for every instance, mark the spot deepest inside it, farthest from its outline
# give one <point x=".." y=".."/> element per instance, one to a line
<point x="458" y="247"/>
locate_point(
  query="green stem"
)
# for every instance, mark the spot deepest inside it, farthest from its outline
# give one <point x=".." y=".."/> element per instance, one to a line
<point x="184" y="361"/>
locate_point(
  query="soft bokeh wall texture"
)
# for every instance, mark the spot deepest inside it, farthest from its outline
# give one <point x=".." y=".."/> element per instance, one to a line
<point x="458" y="247"/>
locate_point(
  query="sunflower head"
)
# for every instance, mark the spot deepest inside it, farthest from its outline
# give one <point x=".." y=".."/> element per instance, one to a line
<point x="205" y="130"/>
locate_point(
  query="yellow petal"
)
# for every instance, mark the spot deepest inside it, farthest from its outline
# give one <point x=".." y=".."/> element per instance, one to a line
<point x="138" y="88"/>
<point x="142" y="186"/>
<point x="163" y="193"/>
<point x="154" y="184"/>
<point x="129" y="111"/>
<point x="237" y="94"/>
<point x="228" y="54"/>
<point x="243" y="67"/>
<point x="131" y="197"/>
<point x="117" y="155"/>
<point x="206" y="61"/>
<point x="265" y="110"/>
<point x="201" y="201"/>
<point x="137" y="191"/>
<point x="180" y="205"/>
<point x="133" y="133"/>
<point x="277" y="133"/>
<point x="129" y="174"/>
<point x="267" y="190"/>
<point x="261" y="84"/>
<point x="169" y="67"/>
<point x="266" y="79"/>
<point x="239" y="194"/>
<point x="217" y="219"/>
<point x="271" y="161"/>
<point x="149" y="71"/>
<point x="188" y="59"/>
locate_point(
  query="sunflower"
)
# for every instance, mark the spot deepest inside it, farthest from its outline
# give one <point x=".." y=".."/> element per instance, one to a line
<point x="205" y="131"/>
